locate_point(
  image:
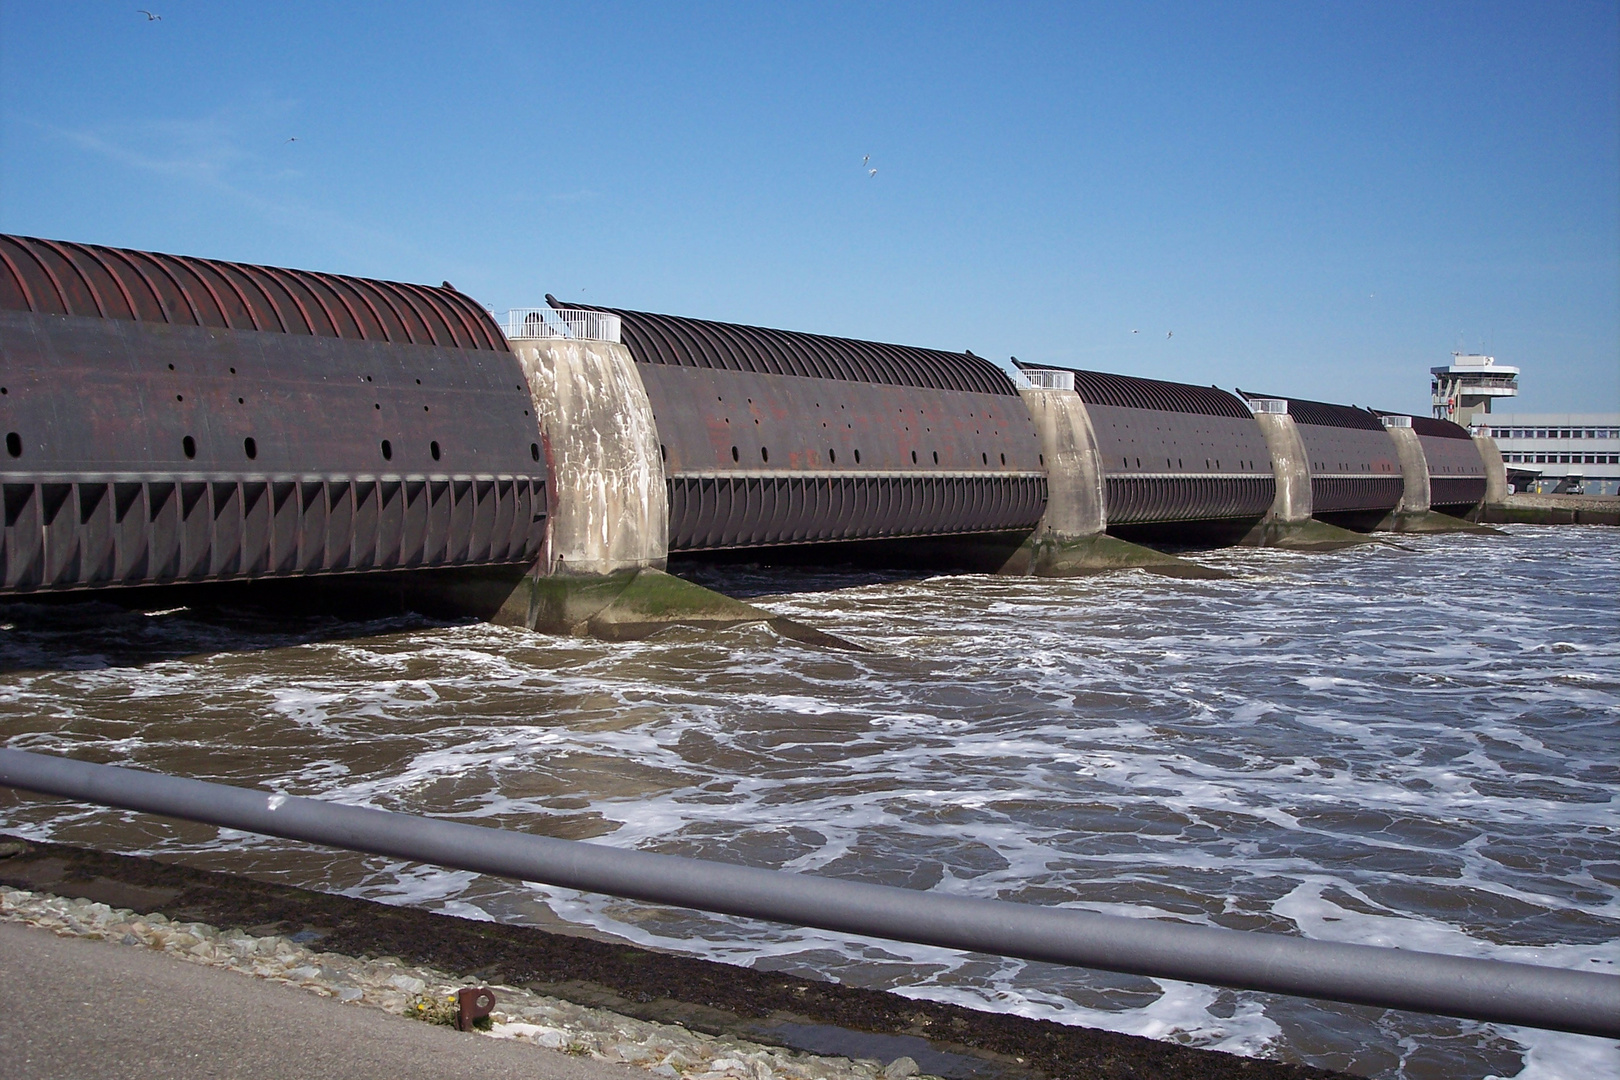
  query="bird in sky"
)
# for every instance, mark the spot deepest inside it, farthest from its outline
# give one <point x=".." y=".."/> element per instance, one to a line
<point x="149" y="16"/>
<point x="1169" y="333"/>
<point x="865" y="160"/>
<point x="871" y="173"/>
<point x="293" y="139"/>
<point x="1135" y="331"/>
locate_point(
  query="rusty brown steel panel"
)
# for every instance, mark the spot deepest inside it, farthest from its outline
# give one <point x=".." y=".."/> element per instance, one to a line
<point x="255" y="528"/>
<point x="208" y="305"/>
<point x="1355" y="469"/>
<point x="14" y="291"/>
<point x="1456" y="494"/>
<point x="1190" y="460"/>
<point x="24" y="537"/>
<point x="414" y="526"/>
<point x="1456" y="470"/>
<point x="111" y="294"/>
<point x="363" y="525"/>
<point x="129" y="537"/>
<point x="225" y="536"/>
<point x="88" y="280"/>
<point x="795" y="424"/>
<point x="340" y="524"/>
<point x="390" y="521"/>
<point x="129" y="401"/>
<point x="1342" y="494"/>
<point x="1156" y="395"/>
<point x="673" y="340"/>
<point x="167" y="299"/>
<point x="712" y="513"/>
<point x="36" y="282"/>
<point x="97" y="541"/>
<point x="100" y="533"/>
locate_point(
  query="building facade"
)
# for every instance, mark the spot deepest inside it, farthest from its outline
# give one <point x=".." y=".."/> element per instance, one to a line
<point x="1558" y="452"/>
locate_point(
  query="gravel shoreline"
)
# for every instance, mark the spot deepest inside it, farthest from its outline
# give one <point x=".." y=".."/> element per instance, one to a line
<point x="393" y="986"/>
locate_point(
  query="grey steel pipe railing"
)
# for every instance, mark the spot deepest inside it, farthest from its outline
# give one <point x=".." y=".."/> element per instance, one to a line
<point x="1494" y="990"/>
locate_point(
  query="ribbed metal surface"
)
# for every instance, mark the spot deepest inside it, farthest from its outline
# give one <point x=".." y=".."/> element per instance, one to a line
<point x="1326" y="414"/>
<point x="1456" y="494"/>
<point x="1456" y="469"/>
<point x="1430" y="426"/>
<point x="1139" y="499"/>
<point x="178" y="420"/>
<point x="679" y="341"/>
<point x="1130" y="392"/>
<point x="54" y="277"/>
<point x="712" y="513"/>
<point x="1355" y="470"/>
<point x="80" y="534"/>
<point x="1433" y="428"/>
<point x="1340" y="494"/>
<point x="762" y="460"/>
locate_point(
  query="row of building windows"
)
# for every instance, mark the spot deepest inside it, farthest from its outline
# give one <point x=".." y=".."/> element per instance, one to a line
<point x="1555" y="433"/>
<point x="1563" y="459"/>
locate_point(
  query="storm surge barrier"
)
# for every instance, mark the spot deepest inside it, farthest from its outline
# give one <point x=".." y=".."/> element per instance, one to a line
<point x="1480" y="989"/>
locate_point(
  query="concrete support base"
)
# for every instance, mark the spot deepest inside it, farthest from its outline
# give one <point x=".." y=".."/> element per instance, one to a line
<point x="1059" y="556"/>
<point x="1553" y="510"/>
<point x="631" y="604"/>
<point x="1307" y="535"/>
<point x="1428" y="521"/>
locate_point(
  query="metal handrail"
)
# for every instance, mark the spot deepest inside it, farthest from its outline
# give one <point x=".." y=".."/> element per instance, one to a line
<point x="1493" y="990"/>
<point x="530" y="323"/>
<point x="1048" y="379"/>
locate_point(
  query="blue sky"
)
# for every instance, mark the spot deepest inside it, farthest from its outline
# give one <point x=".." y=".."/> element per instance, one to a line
<point x="1315" y="199"/>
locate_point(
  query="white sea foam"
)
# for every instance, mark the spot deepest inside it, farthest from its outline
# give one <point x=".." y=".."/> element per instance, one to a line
<point x="1413" y="747"/>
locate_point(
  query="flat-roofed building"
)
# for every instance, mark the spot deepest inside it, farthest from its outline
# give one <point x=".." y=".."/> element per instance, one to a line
<point x="1558" y="452"/>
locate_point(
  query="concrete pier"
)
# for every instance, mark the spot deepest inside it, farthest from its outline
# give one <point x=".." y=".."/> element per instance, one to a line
<point x="1071" y="539"/>
<point x="1413" y="514"/>
<point x="601" y="571"/>
<point x="1289" y="523"/>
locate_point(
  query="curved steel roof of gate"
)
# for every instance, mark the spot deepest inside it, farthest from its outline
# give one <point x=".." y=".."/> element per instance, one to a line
<point x="1130" y="392"/>
<point x="1432" y="426"/>
<point x="55" y="277"/>
<point x="1326" y="414"/>
<point x="683" y="342"/>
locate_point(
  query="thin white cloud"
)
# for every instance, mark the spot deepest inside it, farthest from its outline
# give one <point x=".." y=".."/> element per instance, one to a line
<point x="216" y="153"/>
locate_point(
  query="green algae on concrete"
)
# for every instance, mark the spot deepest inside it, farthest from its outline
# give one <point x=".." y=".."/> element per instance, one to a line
<point x="1307" y="535"/>
<point x="628" y="605"/>
<point x="1055" y="556"/>
<point x="1431" y="521"/>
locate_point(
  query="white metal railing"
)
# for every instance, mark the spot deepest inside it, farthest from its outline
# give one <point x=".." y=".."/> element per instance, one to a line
<point x="1270" y="406"/>
<point x="561" y="323"/>
<point x="1047" y="379"/>
<point x="1396" y="421"/>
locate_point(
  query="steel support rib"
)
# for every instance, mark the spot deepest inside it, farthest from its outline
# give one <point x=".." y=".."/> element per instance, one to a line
<point x="1494" y="990"/>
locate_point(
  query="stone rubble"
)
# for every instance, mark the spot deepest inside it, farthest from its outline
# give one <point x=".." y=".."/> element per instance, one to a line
<point x="664" y="1050"/>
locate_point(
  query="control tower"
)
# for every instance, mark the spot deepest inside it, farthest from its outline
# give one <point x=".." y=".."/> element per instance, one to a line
<point x="1463" y="390"/>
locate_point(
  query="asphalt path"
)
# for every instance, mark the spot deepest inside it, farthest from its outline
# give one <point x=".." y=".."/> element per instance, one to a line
<point x="91" y="1010"/>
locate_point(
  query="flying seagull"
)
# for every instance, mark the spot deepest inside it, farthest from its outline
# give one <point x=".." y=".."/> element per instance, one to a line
<point x="870" y="173"/>
<point x="865" y="160"/>
<point x="149" y="16"/>
<point x="1136" y="331"/>
<point x="1169" y="333"/>
<point x="293" y="139"/>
